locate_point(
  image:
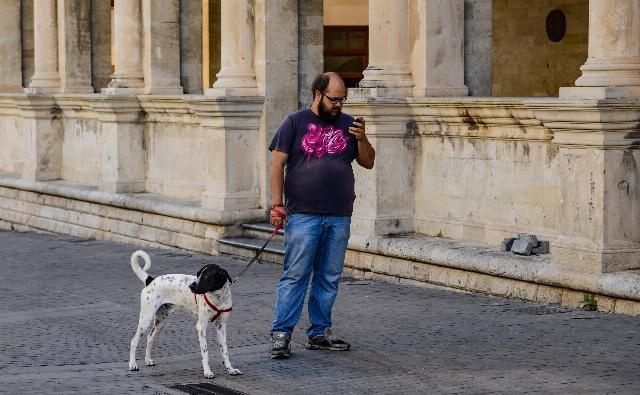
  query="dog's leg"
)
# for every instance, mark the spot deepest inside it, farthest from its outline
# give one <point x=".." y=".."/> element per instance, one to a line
<point x="221" y="332"/>
<point x="201" y="327"/>
<point x="144" y="323"/>
<point x="158" y="324"/>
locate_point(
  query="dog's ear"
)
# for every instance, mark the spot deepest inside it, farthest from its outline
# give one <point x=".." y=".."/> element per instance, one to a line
<point x="228" y="276"/>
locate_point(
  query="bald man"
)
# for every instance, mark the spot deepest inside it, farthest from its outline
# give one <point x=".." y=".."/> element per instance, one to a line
<point x="316" y="147"/>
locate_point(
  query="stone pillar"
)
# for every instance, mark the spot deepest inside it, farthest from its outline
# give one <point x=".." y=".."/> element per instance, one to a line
<point x="437" y="57"/>
<point x="230" y="128"/>
<point x="388" y="72"/>
<point x="46" y="77"/>
<point x="128" y="77"/>
<point x="123" y="148"/>
<point x="237" y="75"/>
<point x="385" y="194"/>
<point x="10" y="47"/>
<point x="612" y="68"/>
<point x="161" y="32"/>
<point x="191" y="54"/>
<point x="74" y="38"/>
<point x="44" y="130"/>
<point x="598" y="165"/>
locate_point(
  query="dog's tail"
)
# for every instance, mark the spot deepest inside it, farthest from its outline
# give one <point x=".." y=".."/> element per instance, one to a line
<point x="141" y="272"/>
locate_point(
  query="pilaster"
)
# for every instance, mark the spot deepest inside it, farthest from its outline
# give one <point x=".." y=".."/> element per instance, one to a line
<point x="123" y="148"/>
<point x="597" y="143"/>
<point x="44" y="130"/>
<point x="230" y="126"/>
<point x="385" y="194"/>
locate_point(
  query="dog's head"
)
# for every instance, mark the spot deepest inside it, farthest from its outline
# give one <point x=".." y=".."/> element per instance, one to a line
<point x="210" y="278"/>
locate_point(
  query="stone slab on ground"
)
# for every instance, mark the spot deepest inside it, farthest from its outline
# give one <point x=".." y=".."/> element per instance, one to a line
<point x="70" y="306"/>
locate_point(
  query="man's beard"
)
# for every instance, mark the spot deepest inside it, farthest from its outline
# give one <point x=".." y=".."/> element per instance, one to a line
<point x="325" y="113"/>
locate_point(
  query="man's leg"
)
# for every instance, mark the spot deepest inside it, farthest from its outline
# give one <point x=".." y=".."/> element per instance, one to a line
<point x="327" y="268"/>
<point x="301" y="241"/>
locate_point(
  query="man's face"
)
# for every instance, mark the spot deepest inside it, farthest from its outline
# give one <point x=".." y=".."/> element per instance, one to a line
<point x="331" y="101"/>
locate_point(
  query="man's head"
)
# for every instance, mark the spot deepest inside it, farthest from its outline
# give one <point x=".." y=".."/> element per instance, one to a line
<point x="329" y="94"/>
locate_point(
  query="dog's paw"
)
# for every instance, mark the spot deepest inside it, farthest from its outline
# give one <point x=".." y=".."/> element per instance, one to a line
<point x="133" y="367"/>
<point x="209" y="375"/>
<point x="234" y="372"/>
<point x="149" y="362"/>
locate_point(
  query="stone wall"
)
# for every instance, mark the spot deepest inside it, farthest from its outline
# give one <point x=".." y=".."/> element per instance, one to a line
<point x="525" y="61"/>
<point x="484" y="171"/>
<point x="310" y="42"/>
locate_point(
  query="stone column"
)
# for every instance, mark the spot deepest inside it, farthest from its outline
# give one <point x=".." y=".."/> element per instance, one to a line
<point x="437" y="58"/>
<point x="100" y="44"/>
<point x="237" y="75"/>
<point x="128" y="77"/>
<point x="46" y="77"/>
<point x="10" y="47"/>
<point x="74" y="38"/>
<point x="161" y="59"/>
<point x="388" y="72"/>
<point x="612" y="68"/>
<point x="44" y="131"/>
<point x="123" y="149"/>
<point x="229" y="130"/>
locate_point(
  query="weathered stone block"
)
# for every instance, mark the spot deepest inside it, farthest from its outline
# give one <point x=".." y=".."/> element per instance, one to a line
<point x="522" y="247"/>
<point x="528" y="237"/>
<point x="507" y="243"/>
<point x="541" y="248"/>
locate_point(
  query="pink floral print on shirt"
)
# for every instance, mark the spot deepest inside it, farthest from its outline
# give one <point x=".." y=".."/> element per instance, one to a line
<point x="319" y="141"/>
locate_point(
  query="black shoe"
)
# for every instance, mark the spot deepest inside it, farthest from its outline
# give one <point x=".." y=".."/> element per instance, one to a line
<point x="280" y="348"/>
<point x="327" y="342"/>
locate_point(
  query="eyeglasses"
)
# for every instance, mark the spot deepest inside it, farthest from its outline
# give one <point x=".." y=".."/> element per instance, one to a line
<point x="335" y="100"/>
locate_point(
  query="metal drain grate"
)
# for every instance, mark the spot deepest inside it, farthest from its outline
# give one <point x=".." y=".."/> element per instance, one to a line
<point x="206" y="389"/>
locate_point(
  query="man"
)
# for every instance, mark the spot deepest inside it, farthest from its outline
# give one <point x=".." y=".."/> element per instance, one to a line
<point x="316" y="146"/>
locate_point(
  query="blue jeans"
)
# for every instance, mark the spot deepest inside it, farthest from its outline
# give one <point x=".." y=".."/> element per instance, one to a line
<point x="313" y="243"/>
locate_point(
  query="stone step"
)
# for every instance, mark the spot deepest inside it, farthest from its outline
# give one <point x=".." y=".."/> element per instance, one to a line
<point x="261" y="230"/>
<point x="247" y="247"/>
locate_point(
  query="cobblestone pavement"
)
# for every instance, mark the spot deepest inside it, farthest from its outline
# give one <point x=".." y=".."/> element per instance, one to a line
<point x="69" y="308"/>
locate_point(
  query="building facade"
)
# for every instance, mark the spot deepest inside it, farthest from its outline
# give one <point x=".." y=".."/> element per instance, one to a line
<point x="147" y="121"/>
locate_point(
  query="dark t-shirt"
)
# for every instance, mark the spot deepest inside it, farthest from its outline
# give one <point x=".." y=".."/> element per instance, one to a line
<point x="318" y="174"/>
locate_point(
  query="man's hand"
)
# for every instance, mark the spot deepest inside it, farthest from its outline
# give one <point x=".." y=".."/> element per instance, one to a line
<point x="366" y="154"/>
<point x="277" y="216"/>
<point x="358" y="129"/>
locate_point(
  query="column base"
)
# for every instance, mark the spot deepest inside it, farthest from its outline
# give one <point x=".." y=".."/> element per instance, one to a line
<point x="77" y="89"/>
<point x="40" y="175"/>
<point x="380" y="226"/>
<point x="129" y="186"/>
<point x="380" y="92"/>
<point x="599" y="92"/>
<point x="172" y="91"/>
<point x="220" y="92"/>
<point x="229" y="201"/>
<point x="122" y="91"/>
<point x="32" y="90"/>
<point x="441" y="92"/>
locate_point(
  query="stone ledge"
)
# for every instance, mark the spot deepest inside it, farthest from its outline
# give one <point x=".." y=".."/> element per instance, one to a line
<point x="145" y="202"/>
<point x="474" y="258"/>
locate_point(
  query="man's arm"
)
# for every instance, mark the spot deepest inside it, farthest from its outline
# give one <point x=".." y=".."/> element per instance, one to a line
<point x="366" y="154"/>
<point x="277" y="215"/>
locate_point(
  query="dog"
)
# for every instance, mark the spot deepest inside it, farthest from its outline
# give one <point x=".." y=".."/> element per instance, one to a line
<point x="207" y="296"/>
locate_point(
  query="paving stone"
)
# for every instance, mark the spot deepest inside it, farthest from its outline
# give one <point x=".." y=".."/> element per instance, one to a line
<point x="70" y="306"/>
